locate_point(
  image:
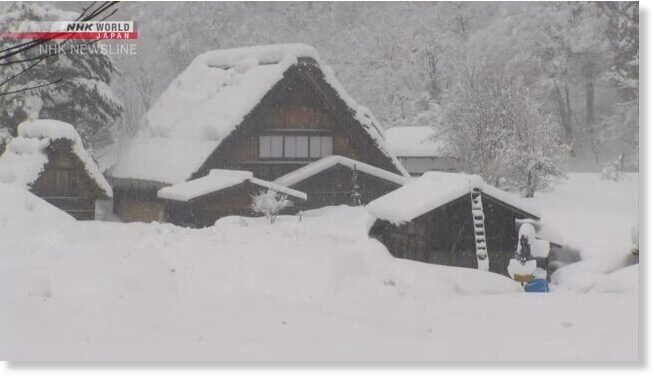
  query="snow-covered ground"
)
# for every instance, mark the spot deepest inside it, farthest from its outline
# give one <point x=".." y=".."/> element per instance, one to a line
<point x="311" y="289"/>
<point x="595" y="216"/>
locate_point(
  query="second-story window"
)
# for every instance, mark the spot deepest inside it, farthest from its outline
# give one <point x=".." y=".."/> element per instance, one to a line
<point x="295" y="146"/>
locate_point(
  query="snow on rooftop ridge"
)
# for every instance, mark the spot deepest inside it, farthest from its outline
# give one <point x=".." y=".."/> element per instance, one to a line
<point x="206" y="103"/>
<point x="47" y="128"/>
<point x="219" y="179"/>
<point x="264" y="54"/>
<point x="416" y="141"/>
<point x="364" y="116"/>
<point x="25" y="157"/>
<point x="318" y="166"/>
<point x="433" y="190"/>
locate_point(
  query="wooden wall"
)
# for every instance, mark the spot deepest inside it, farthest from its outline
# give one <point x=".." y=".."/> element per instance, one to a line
<point x="79" y="199"/>
<point x="445" y="235"/>
<point x="204" y="211"/>
<point x="304" y="103"/>
<point x="138" y="203"/>
<point x="334" y="186"/>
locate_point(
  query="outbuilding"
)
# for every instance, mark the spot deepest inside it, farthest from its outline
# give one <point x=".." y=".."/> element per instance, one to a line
<point x="338" y="180"/>
<point x="48" y="158"/>
<point x="200" y="202"/>
<point x="451" y="219"/>
<point x="421" y="149"/>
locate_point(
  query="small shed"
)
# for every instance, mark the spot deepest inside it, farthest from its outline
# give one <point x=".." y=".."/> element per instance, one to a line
<point x="48" y="158"/>
<point x="338" y="180"/>
<point x="421" y="149"/>
<point x="200" y="202"/>
<point x="451" y="219"/>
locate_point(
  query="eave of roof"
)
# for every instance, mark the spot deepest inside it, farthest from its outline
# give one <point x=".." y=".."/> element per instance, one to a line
<point x="325" y="163"/>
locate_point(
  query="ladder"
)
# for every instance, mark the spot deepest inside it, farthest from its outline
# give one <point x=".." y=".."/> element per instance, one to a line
<point x="480" y="229"/>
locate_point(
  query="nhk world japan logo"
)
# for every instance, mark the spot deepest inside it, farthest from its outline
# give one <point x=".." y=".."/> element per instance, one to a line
<point x="67" y="30"/>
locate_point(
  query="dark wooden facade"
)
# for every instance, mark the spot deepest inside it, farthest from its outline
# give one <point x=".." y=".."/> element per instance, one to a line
<point x="335" y="186"/>
<point x="137" y="201"/>
<point x="65" y="183"/>
<point x="205" y="210"/>
<point x="301" y="103"/>
<point x="445" y="235"/>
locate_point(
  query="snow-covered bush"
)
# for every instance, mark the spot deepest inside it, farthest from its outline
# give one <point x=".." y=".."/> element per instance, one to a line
<point x="613" y="170"/>
<point x="270" y="203"/>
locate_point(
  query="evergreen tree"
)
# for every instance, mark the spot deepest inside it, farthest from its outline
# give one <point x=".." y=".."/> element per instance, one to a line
<point x="81" y="96"/>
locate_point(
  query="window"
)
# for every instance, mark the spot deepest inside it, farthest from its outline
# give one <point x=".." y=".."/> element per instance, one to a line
<point x="271" y="146"/>
<point x="321" y="146"/>
<point x="295" y="146"/>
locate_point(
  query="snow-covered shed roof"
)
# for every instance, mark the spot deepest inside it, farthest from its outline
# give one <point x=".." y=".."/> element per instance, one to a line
<point x="208" y="101"/>
<point x="416" y="141"/>
<point x="433" y="190"/>
<point x="219" y="179"/>
<point x="26" y="156"/>
<point x="318" y="166"/>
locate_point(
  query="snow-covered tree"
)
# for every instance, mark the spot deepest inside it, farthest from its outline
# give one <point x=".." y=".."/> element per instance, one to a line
<point x="80" y="95"/>
<point x="500" y="133"/>
<point x="404" y="60"/>
<point x="270" y="203"/>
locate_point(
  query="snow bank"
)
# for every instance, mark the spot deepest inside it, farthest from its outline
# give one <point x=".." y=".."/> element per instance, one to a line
<point x="219" y="179"/>
<point x="624" y="280"/>
<point x="593" y="216"/>
<point x="435" y="189"/>
<point x="416" y="141"/>
<point x="26" y="157"/>
<point x="316" y="167"/>
<point x="583" y="275"/>
<point x="309" y="287"/>
<point x="207" y="101"/>
<point x="22" y="214"/>
<point x="23" y="161"/>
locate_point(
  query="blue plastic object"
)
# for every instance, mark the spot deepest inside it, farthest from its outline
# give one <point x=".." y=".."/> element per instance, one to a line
<point x="538" y="285"/>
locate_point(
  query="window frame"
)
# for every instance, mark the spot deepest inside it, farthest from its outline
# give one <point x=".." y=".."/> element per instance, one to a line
<point x="309" y="134"/>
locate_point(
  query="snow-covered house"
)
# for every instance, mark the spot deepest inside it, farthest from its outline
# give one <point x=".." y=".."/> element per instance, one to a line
<point x="420" y="149"/>
<point x="451" y="219"/>
<point x="268" y="110"/>
<point x="48" y="158"/>
<point x="202" y="201"/>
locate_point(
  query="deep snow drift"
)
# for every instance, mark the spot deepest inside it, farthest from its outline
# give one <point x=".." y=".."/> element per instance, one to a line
<point x="595" y="216"/>
<point x="315" y="288"/>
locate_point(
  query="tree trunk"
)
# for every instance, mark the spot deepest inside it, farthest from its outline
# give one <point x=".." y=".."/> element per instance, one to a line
<point x="590" y="110"/>
<point x="561" y="100"/>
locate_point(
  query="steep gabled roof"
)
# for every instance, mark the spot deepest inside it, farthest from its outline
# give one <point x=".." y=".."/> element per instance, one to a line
<point x="435" y="189"/>
<point x="416" y="141"/>
<point x="208" y="101"/>
<point x="219" y="179"/>
<point x="26" y="156"/>
<point x="318" y="166"/>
